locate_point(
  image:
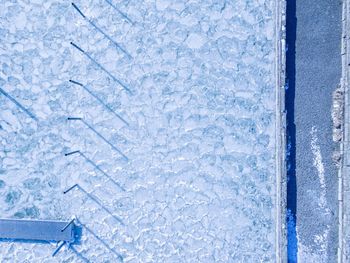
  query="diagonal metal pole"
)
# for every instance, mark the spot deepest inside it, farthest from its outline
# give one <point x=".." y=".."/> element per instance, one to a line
<point x="99" y="100"/>
<point x="119" y="256"/>
<point x="96" y="167"/>
<point x="120" y="12"/>
<point x="19" y="105"/>
<point x="101" y="67"/>
<point x="99" y="135"/>
<point x="60" y="245"/>
<point x="96" y="200"/>
<point x="101" y="31"/>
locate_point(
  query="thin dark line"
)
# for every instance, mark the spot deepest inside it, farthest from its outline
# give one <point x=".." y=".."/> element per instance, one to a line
<point x="100" y="170"/>
<point x="31" y="115"/>
<point x="74" y="119"/>
<point x="102" y="68"/>
<point x="76" y="83"/>
<point x="70" y="188"/>
<point x="105" y="140"/>
<point x="77" y="47"/>
<point x="79" y="254"/>
<point x="120" y="12"/>
<point x="101" y="31"/>
<point x="95" y="199"/>
<point x="99" y="100"/>
<point x="120" y="257"/>
<point x="69" y="223"/>
<point x="58" y="248"/>
<point x="76" y="8"/>
<point x="99" y="135"/>
<point x="96" y="167"/>
<point x="70" y="153"/>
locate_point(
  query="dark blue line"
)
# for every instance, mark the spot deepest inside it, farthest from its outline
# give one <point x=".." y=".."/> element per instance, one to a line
<point x="120" y="257"/>
<point x="79" y="254"/>
<point x="74" y="45"/>
<point x="70" y="153"/>
<point x="110" y="39"/>
<point x="96" y="167"/>
<point x="100" y="170"/>
<point x="69" y="223"/>
<point x="76" y="83"/>
<point x="101" y="31"/>
<point x="70" y="188"/>
<point x="58" y="248"/>
<point x="76" y="8"/>
<point x="108" y="73"/>
<point x="102" y="68"/>
<point x="291" y="217"/>
<point x="74" y="119"/>
<point x="100" y="100"/>
<point x="93" y="198"/>
<point x="31" y="115"/>
<point x="120" y="12"/>
<point x="104" y="139"/>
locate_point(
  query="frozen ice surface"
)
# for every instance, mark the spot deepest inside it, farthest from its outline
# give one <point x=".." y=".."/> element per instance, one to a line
<point x="199" y="180"/>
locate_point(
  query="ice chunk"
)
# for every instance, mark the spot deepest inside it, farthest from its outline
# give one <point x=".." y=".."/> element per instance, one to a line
<point x="13" y="196"/>
<point x="21" y="20"/>
<point x="13" y="80"/>
<point x="2" y="81"/>
<point x="195" y="40"/>
<point x="228" y="47"/>
<point x="162" y="4"/>
<point x="264" y="140"/>
<point x="10" y="118"/>
<point x="213" y="132"/>
<point x="32" y="212"/>
<point x="20" y="214"/>
<point x="28" y="212"/>
<point x="2" y="184"/>
<point x="6" y="69"/>
<point x="32" y="183"/>
<point x="200" y="176"/>
<point x="124" y="204"/>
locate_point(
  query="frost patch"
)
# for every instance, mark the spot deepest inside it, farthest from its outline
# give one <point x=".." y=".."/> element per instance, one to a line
<point x="306" y="254"/>
<point x="319" y="240"/>
<point x="318" y="163"/>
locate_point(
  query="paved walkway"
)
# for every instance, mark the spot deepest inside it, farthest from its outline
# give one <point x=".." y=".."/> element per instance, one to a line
<point x="314" y="70"/>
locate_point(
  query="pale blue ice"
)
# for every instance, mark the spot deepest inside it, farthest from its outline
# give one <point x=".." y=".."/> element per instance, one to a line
<point x="188" y="176"/>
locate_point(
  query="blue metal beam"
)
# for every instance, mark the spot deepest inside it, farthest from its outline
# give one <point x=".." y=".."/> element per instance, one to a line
<point x="37" y="230"/>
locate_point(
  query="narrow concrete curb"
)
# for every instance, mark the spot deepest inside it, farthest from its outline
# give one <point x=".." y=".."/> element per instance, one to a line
<point x="280" y="152"/>
<point x="343" y="174"/>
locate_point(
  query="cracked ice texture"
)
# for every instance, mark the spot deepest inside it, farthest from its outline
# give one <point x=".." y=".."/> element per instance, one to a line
<point x="200" y="177"/>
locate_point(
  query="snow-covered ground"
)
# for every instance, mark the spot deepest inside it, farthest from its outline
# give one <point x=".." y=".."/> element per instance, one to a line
<point x="176" y="143"/>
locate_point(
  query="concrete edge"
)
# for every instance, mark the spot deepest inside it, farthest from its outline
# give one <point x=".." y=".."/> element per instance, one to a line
<point x="280" y="136"/>
<point x="343" y="180"/>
